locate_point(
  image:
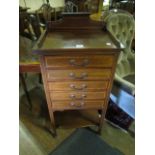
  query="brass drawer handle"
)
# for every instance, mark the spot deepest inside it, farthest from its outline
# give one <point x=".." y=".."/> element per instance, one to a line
<point x="83" y="64"/>
<point x="73" y="96"/>
<point x="82" y="76"/>
<point x="77" y="105"/>
<point x="83" y="86"/>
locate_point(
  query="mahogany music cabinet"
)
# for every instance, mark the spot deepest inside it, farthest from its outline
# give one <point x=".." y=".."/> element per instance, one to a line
<point x="78" y="60"/>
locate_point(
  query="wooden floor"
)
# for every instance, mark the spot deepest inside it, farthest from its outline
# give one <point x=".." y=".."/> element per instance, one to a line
<point x="34" y="121"/>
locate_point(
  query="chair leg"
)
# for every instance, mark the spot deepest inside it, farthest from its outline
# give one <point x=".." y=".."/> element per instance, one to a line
<point x="25" y="90"/>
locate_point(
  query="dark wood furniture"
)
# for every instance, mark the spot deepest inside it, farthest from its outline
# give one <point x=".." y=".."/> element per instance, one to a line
<point x="28" y="63"/>
<point x="78" y="61"/>
<point x="28" y="68"/>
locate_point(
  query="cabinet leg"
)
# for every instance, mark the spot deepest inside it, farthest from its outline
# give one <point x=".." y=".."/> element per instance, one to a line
<point x="52" y="129"/>
<point x="101" y="121"/>
<point x="53" y="132"/>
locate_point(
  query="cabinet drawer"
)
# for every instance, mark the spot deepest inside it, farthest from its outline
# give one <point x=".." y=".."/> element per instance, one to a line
<point x="79" y="74"/>
<point x="73" y="95"/>
<point x="78" y="85"/>
<point x="80" y="61"/>
<point x="64" y="105"/>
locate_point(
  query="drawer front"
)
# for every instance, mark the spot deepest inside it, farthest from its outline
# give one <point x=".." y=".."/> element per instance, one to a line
<point x="79" y="74"/>
<point x="78" y="85"/>
<point x="73" y="96"/>
<point x="80" y="61"/>
<point x="63" y="105"/>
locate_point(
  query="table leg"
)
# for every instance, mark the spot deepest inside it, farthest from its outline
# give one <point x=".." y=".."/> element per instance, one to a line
<point x="40" y="79"/>
<point x="25" y="90"/>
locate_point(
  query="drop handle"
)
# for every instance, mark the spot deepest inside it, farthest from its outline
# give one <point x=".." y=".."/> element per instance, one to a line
<point x="73" y="96"/>
<point x="83" y="64"/>
<point x="77" y="105"/>
<point x="82" y="87"/>
<point x="82" y="76"/>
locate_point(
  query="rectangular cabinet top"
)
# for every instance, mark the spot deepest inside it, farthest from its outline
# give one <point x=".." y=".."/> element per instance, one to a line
<point x="75" y="33"/>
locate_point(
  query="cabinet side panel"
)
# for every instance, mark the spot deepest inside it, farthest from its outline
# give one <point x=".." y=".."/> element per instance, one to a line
<point x="43" y="72"/>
